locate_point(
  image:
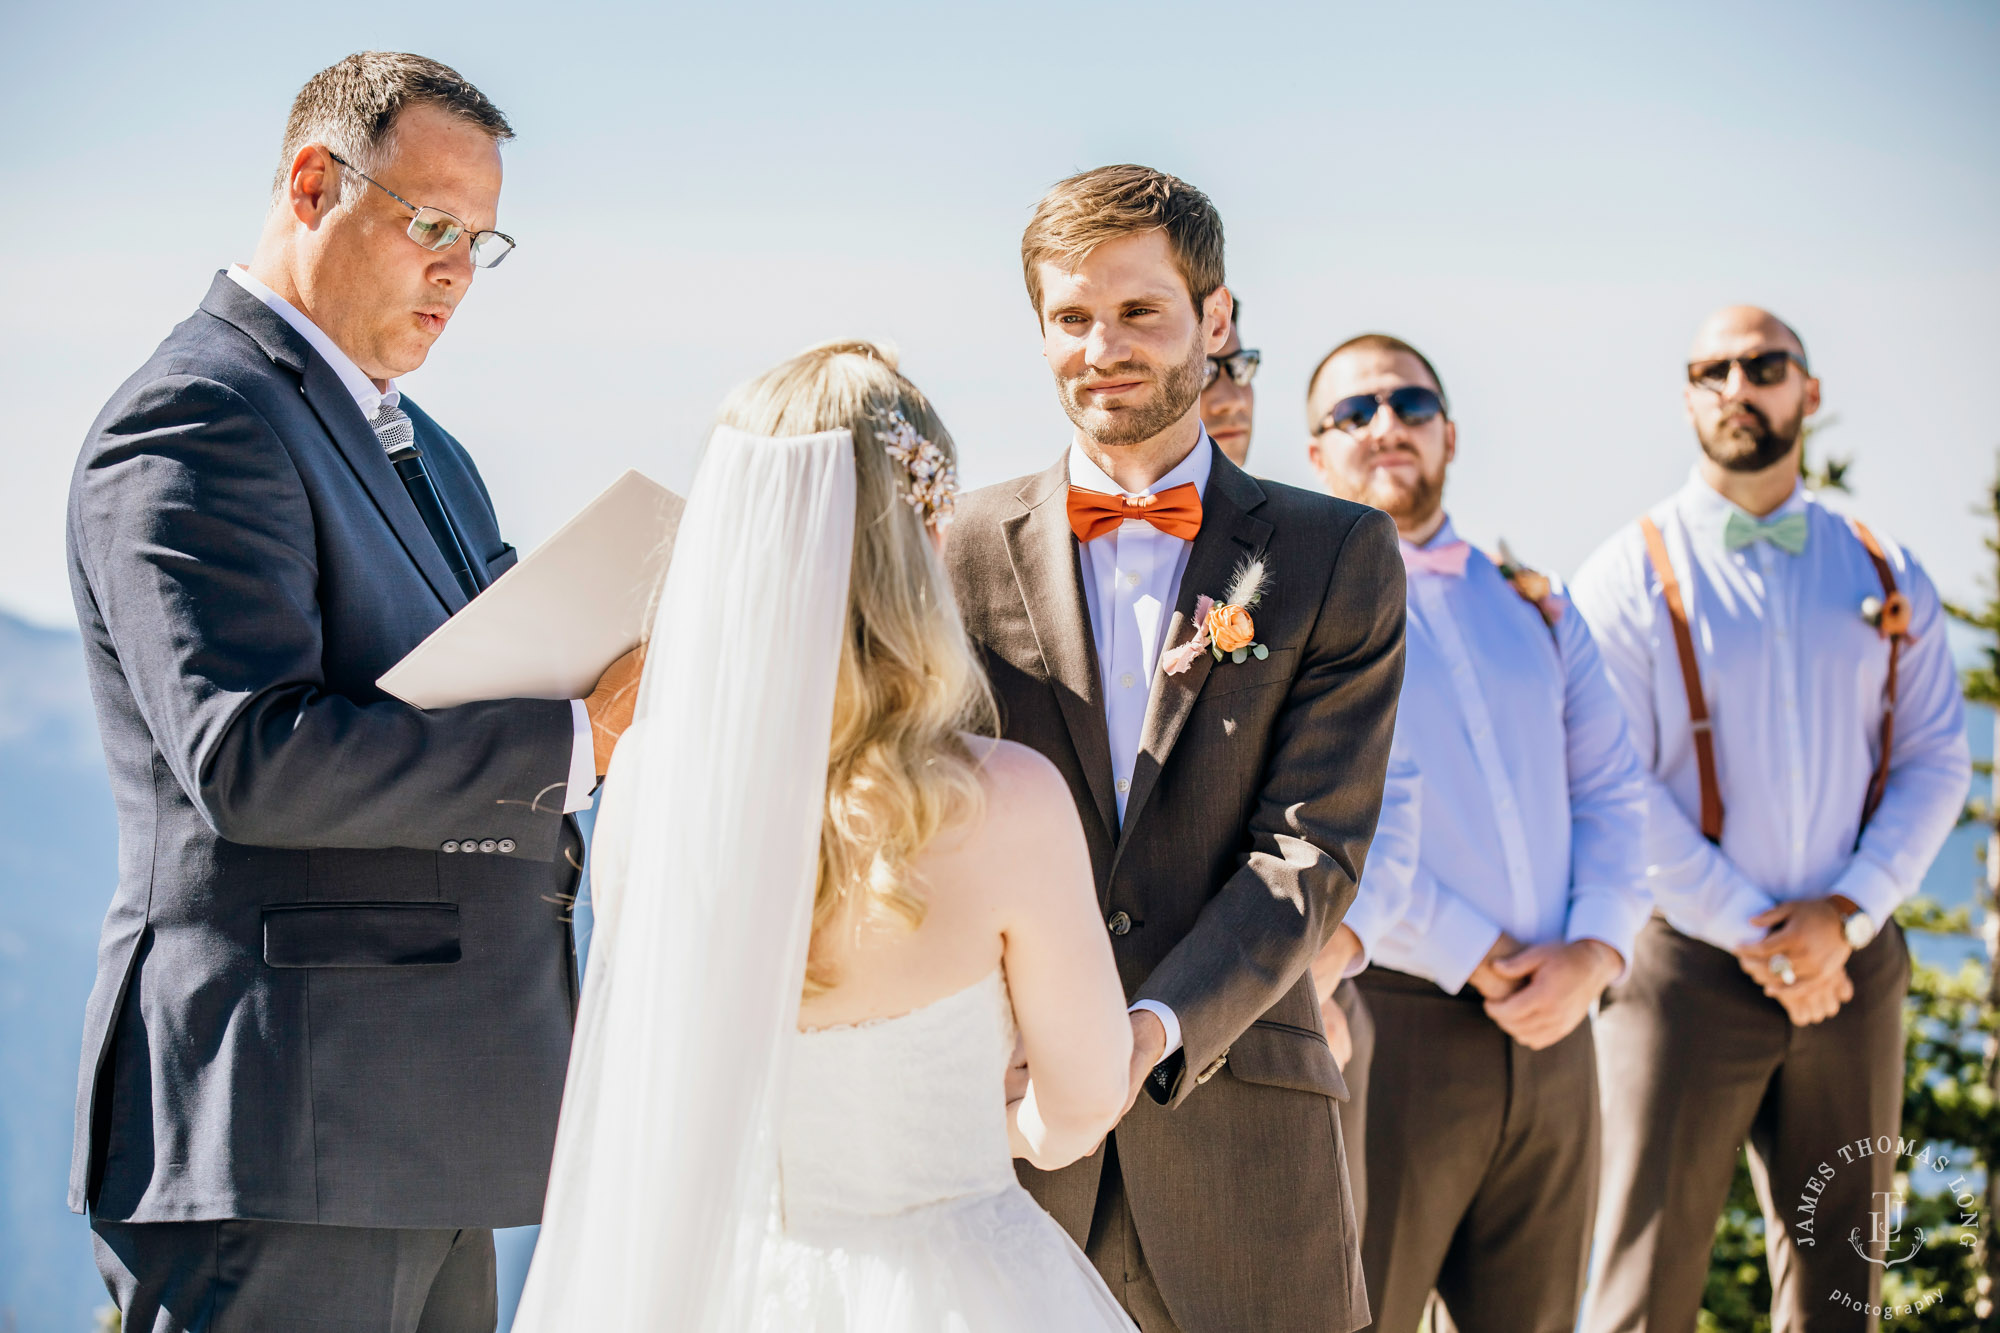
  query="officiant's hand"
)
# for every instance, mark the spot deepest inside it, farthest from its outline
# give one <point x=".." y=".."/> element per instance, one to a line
<point x="611" y="704"/>
<point x="1149" y="1047"/>
<point x="1561" y="981"/>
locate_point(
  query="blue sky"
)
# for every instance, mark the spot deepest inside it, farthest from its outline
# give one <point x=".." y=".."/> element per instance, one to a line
<point x="1546" y="198"/>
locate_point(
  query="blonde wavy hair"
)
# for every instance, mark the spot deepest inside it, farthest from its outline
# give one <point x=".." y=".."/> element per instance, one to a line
<point x="909" y="688"/>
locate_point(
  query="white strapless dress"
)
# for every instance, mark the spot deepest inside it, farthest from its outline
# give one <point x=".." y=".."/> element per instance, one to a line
<point x="902" y="1213"/>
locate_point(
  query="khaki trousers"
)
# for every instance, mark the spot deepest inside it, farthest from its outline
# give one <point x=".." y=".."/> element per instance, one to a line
<point x="1695" y="1059"/>
<point x="1482" y="1163"/>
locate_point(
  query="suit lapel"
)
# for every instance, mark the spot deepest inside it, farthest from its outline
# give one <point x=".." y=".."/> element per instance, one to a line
<point x="350" y="431"/>
<point x="1049" y="572"/>
<point x="1229" y="534"/>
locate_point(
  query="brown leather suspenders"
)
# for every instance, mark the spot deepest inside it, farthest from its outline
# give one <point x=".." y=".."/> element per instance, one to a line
<point x="1892" y="622"/>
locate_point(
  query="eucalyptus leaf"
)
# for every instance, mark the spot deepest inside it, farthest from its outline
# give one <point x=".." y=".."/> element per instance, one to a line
<point x="1239" y="654"/>
<point x="1259" y="651"/>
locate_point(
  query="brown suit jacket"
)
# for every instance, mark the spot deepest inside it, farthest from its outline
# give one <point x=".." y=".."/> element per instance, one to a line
<point x="1251" y="809"/>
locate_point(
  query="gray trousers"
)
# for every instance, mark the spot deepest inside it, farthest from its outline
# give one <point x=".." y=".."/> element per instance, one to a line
<point x="1696" y="1060"/>
<point x="1354" y="1111"/>
<point x="257" y="1277"/>
<point x="1482" y="1165"/>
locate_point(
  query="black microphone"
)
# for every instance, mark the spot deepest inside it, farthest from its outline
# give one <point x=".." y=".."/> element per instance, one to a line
<point x="408" y="460"/>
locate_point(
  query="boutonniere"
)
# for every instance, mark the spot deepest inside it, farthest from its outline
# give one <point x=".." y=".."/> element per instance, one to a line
<point x="1890" y="616"/>
<point x="1224" y="628"/>
<point x="1532" y="586"/>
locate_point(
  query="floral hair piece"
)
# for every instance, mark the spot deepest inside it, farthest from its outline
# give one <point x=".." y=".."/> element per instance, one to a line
<point x="933" y="489"/>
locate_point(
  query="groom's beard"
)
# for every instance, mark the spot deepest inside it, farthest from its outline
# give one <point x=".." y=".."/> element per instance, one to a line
<point x="1175" y="392"/>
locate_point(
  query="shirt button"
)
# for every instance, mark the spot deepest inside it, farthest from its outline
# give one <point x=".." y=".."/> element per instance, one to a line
<point x="1118" y="923"/>
<point x="506" y="844"/>
<point x="449" y="847"/>
<point x="489" y="845"/>
<point x="1126" y="681"/>
<point x="1124" y="784"/>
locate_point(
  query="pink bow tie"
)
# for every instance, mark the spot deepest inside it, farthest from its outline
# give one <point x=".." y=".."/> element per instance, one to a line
<point x="1446" y="559"/>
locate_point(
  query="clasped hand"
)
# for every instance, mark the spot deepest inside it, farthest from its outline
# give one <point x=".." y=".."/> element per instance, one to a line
<point x="1149" y="1047"/>
<point x="1539" y="994"/>
<point x="1808" y="933"/>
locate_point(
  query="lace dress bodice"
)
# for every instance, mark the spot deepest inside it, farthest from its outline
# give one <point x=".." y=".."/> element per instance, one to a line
<point x="898" y="1113"/>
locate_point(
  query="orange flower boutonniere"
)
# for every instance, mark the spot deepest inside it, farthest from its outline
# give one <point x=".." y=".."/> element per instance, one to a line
<point x="1224" y="628"/>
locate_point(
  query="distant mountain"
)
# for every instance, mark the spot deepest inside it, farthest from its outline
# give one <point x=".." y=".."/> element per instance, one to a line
<point x="58" y="862"/>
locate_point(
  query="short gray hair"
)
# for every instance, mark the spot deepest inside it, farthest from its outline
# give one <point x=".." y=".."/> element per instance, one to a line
<point x="351" y="108"/>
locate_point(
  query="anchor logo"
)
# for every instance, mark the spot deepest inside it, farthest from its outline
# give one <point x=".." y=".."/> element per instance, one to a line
<point x="1885" y="1223"/>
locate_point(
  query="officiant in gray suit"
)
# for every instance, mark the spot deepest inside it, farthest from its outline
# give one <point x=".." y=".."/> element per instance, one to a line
<point x="325" y="1050"/>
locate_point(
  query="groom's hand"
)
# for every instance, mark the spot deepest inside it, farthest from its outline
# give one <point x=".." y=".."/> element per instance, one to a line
<point x="1149" y="1047"/>
<point x="610" y="705"/>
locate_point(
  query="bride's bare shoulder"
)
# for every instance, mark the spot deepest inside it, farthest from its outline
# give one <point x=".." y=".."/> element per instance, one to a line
<point x="1014" y="773"/>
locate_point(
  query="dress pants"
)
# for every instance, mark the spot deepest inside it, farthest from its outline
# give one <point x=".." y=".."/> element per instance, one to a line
<point x="1354" y="1111"/>
<point x="1482" y="1165"/>
<point x="1113" y="1246"/>
<point x="258" y="1277"/>
<point x="1696" y="1059"/>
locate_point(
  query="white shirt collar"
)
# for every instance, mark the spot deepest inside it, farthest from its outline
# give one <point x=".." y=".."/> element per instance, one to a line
<point x="366" y="396"/>
<point x="1705" y="507"/>
<point x="1194" y="468"/>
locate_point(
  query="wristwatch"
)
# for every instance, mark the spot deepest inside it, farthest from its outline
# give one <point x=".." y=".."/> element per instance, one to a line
<point x="1858" y="928"/>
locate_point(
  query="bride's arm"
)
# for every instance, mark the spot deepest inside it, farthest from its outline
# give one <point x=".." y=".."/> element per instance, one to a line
<point x="1067" y="996"/>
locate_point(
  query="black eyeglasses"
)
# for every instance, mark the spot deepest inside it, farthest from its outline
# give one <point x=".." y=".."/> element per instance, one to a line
<point x="435" y="229"/>
<point x="1240" y="366"/>
<point x="1762" y="370"/>
<point x="1413" y="405"/>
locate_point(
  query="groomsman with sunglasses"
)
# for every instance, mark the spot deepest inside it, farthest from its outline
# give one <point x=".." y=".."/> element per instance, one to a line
<point x="1762" y="645"/>
<point x="1228" y="402"/>
<point x="1486" y="948"/>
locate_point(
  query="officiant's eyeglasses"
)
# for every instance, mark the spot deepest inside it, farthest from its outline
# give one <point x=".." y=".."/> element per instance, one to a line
<point x="1240" y="366"/>
<point x="435" y="229"/>
<point x="1762" y="370"/>
<point x="1413" y="404"/>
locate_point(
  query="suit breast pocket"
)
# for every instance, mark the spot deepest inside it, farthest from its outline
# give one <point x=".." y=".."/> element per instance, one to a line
<point x="1229" y="677"/>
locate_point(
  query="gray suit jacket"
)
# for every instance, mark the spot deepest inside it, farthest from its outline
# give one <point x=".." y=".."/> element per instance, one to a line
<point x="1251" y="809"/>
<point x="307" y="1008"/>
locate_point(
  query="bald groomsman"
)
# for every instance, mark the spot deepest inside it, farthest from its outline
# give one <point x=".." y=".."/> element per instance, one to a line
<point x="1489" y="945"/>
<point x="1761" y="644"/>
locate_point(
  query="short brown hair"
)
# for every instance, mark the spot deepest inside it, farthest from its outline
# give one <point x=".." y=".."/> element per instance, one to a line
<point x="1079" y="214"/>
<point x="1378" y="342"/>
<point x="351" y="108"/>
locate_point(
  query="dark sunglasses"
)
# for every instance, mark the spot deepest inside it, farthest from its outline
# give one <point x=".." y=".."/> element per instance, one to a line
<point x="1762" y="370"/>
<point x="434" y="229"/>
<point x="1240" y="366"/>
<point x="1413" y="405"/>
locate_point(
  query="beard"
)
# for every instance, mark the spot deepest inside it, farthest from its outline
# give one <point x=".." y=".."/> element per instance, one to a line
<point x="1175" y="393"/>
<point x="1752" y="447"/>
<point x="1406" y="502"/>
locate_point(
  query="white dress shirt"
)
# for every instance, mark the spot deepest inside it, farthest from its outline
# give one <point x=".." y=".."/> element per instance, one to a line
<point x="1530" y="806"/>
<point x="1131" y="583"/>
<point x="1793" y="677"/>
<point x="371" y="399"/>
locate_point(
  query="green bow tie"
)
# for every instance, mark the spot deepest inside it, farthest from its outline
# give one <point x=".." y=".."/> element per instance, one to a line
<point x="1788" y="534"/>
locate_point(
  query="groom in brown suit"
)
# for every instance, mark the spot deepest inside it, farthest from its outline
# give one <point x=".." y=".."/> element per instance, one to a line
<point x="1228" y="767"/>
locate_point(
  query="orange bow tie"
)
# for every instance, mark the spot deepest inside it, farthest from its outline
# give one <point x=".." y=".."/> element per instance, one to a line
<point x="1175" y="511"/>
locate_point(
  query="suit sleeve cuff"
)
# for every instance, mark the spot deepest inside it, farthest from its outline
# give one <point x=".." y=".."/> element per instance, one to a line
<point x="1167" y="1021"/>
<point x="582" y="760"/>
<point x="1869" y="887"/>
<point x="1460" y="936"/>
<point x="1610" y="920"/>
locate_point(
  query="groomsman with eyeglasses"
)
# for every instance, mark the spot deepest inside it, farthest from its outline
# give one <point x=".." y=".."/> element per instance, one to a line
<point x="1788" y="685"/>
<point x="1228" y="402"/>
<point x="1517" y="898"/>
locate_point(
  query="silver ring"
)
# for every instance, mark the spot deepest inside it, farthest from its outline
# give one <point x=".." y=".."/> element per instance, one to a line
<point x="1781" y="967"/>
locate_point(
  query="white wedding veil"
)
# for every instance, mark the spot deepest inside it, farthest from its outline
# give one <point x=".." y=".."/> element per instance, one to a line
<point x="664" y="1181"/>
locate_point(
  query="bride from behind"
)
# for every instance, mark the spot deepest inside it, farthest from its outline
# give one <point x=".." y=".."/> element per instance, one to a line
<point x="827" y="904"/>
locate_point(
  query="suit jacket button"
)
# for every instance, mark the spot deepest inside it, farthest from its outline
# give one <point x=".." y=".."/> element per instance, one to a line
<point x="506" y="844"/>
<point x="1119" y="923"/>
<point x="449" y="847"/>
<point x="488" y="845"/>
